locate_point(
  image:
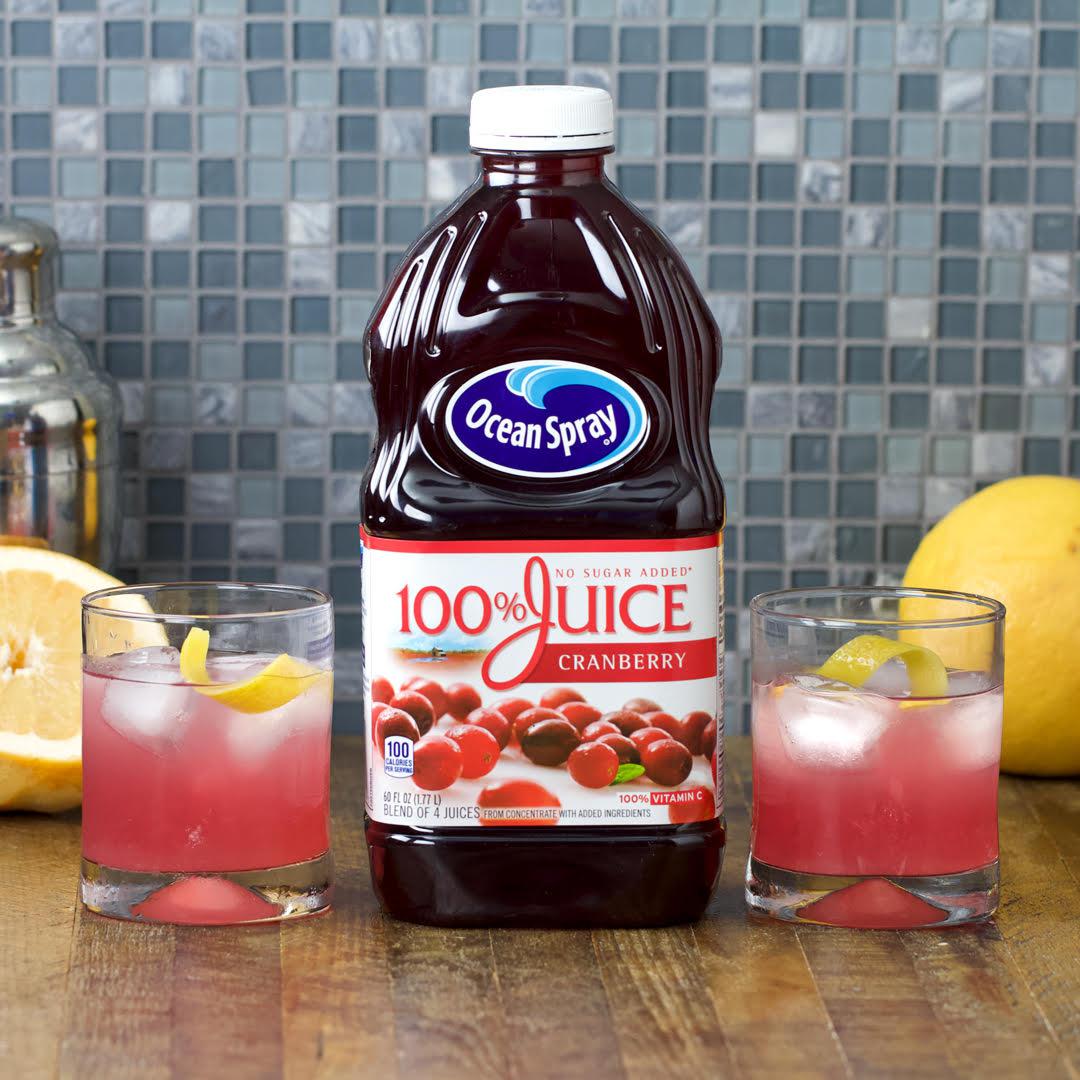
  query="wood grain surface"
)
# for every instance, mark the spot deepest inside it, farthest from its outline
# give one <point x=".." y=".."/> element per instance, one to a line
<point x="356" y="994"/>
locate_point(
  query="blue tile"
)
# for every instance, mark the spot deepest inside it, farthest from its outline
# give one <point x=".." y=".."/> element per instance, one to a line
<point x="639" y="45"/>
<point x="686" y="89"/>
<point x="31" y="37"/>
<point x="170" y="40"/>
<point x="731" y="44"/>
<point x="124" y="40"/>
<point x="1058" y="48"/>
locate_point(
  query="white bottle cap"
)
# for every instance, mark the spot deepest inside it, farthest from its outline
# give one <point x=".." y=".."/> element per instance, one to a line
<point x="541" y="118"/>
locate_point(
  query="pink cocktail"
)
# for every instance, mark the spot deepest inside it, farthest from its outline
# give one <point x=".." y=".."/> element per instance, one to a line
<point x="206" y="799"/>
<point x="872" y="804"/>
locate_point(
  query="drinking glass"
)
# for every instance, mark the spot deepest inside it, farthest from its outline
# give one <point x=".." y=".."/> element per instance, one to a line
<point x="206" y="752"/>
<point x="876" y="720"/>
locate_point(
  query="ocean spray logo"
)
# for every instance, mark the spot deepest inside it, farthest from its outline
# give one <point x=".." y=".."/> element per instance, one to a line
<point x="546" y="418"/>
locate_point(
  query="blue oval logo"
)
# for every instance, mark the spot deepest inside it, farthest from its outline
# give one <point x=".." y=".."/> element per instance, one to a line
<point x="546" y="418"/>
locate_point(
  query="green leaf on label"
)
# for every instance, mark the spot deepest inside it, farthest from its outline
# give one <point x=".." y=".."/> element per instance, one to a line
<point x="627" y="772"/>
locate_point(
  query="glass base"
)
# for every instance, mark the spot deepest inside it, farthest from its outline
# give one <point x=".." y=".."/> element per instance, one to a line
<point x="214" y="898"/>
<point x="872" y="903"/>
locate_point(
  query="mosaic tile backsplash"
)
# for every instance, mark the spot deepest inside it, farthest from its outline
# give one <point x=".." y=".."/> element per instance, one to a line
<point x="879" y="198"/>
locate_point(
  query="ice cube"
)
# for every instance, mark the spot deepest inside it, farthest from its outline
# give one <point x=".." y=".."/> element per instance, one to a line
<point x="891" y="679"/>
<point x="254" y="736"/>
<point x="968" y="682"/>
<point x="823" y="722"/>
<point x="970" y="728"/>
<point x="145" y="702"/>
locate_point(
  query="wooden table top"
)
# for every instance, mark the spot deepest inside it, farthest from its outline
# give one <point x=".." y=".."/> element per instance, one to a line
<point x="354" y="993"/>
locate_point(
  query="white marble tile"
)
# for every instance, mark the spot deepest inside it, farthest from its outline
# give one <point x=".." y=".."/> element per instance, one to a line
<point x="731" y="88"/>
<point x="821" y="181"/>
<point x="168" y="222"/>
<point x="1045" y="365"/>
<point x="357" y="40"/>
<point x="309" y="223"/>
<point x="910" y="318"/>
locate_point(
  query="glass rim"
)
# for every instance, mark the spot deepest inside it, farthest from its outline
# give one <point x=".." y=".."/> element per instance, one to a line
<point x="993" y="611"/>
<point x="316" y="600"/>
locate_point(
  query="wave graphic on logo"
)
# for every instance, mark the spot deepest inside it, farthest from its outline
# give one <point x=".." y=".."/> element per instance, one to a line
<point x="546" y="418"/>
<point x="535" y="381"/>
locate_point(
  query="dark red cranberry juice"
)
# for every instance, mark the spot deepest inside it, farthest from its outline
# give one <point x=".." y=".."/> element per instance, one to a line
<point x="540" y="520"/>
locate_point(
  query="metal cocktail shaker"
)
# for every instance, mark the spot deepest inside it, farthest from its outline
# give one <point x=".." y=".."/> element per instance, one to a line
<point x="59" y="416"/>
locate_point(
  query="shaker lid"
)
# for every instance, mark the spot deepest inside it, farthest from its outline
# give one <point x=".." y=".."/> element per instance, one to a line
<point x="27" y="256"/>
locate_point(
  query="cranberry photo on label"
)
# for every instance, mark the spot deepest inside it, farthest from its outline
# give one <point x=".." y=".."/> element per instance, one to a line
<point x="479" y="749"/>
<point x="627" y="751"/>
<point x="643" y="736"/>
<point x="518" y="795"/>
<point x="417" y="706"/>
<point x="559" y="695"/>
<point x="527" y="717"/>
<point x="394" y="722"/>
<point x="598" y="728"/>
<point x="382" y="690"/>
<point x="702" y="807"/>
<point x="549" y="742"/>
<point x="437" y="763"/>
<point x="693" y="729"/>
<point x="593" y="765"/>
<point x="512" y="707"/>
<point x="580" y="713"/>
<point x="432" y="690"/>
<point x="461" y="699"/>
<point x="708" y="739"/>
<point x="493" y="721"/>
<point x="666" y="722"/>
<point x="626" y="720"/>
<point x="667" y="762"/>
<point x="377" y="709"/>
<point x="641" y="705"/>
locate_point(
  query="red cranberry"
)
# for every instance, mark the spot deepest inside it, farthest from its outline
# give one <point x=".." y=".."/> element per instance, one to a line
<point x="479" y="749"/>
<point x="643" y="736"/>
<point x="430" y="689"/>
<point x="549" y="742"/>
<point x="527" y="717"/>
<point x="667" y="762"/>
<point x="593" y="765"/>
<point x="494" y="721"/>
<point x="627" y="751"/>
<point x="666" y="722"/>
<point x="693" y="727"/>
<point x="522" y="795"/>
<point x="626" y="720"/>
<point x="580" y="713"/>
<point x="641" y="705"/>
<point x="417" y="706"/>
<point x="700" y="807"/>
<point x="598" y="728"/>
<point x="382" y="690"/>
<point x="437" y="763"/>
<point x="377" y="709"/>
<point x="708" y="739"/>
<point x="559" y="695"/>
<point x="461" y="699"/>
<point x="511" y="707"/>
<point x="394" y="722"/>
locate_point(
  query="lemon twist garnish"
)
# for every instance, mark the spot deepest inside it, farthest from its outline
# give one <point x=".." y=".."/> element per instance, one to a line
<point x="856" y="660"/>
<point x="282" y="680"/>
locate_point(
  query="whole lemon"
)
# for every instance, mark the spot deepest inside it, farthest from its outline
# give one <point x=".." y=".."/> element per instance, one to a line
<point x="1019" y="542"/>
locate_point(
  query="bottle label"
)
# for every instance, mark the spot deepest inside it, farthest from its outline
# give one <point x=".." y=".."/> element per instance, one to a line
<point x="472" y="635"/>
<point x="548" y="418"/>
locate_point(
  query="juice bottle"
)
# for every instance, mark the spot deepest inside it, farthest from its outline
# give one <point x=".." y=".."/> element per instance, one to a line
<point x="541" y="545"/>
